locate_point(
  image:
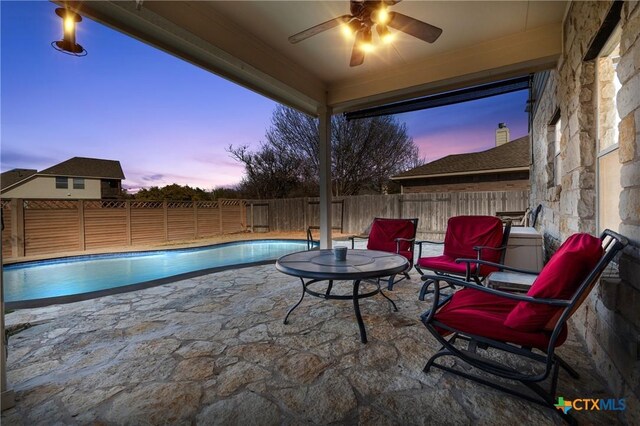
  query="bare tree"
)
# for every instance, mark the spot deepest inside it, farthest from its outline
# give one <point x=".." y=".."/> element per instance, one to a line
<point x="268" y="173"/>
<point x="365" y="153"/>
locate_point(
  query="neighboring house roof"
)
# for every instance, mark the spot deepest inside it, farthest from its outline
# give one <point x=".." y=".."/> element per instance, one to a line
<point x="87" y="167"/>
<point x="512" y="155"/>
<point x="14" y="176"/>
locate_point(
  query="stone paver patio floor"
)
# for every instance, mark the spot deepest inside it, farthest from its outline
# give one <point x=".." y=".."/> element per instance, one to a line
<point x="213" y="349"/>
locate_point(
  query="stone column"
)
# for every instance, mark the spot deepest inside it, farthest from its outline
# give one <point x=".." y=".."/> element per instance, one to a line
<point x="325" y="176"/>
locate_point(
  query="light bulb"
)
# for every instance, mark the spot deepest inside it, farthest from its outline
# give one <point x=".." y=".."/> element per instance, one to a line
<point x="346" y="31"/>
<point x="382" y="17"/>
<point x="385" y="35"/>
<point x="367" y="47"/>
<point x="69" y="24"/>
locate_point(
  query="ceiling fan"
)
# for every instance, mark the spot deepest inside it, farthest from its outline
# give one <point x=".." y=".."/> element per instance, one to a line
<point x="365" y="15"/>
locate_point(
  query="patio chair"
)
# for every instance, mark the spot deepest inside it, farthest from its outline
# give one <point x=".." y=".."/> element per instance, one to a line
<point x="525" y="330"/>
<point x="394" y="236"/>
<point x="479" y="237"/>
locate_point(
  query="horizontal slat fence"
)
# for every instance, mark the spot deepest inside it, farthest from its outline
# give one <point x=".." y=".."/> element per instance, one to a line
<point x="51" y="226"/>
<point x="105" y="224"/>
<point x="208" y="219"/>
<point x="354" y="214"/>
<point x="36" y="227"/>
<point x="148" y="223"/>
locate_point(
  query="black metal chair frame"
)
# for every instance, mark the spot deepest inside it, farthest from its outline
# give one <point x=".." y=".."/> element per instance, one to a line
<point x="612" y="243"/>
<point x="391" y="281"/>
<point x="468" y="276"/>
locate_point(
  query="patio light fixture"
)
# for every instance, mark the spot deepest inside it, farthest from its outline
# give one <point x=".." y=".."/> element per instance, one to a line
<point x="367" y="42"/>
<point x="384" y="33"/>
<point x="364" y="16"/>
<point x="68" y="43"/>
<point x="381" y="16"/>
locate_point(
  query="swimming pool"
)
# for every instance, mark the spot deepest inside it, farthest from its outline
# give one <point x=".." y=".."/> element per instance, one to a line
<point x="96" y="275"/>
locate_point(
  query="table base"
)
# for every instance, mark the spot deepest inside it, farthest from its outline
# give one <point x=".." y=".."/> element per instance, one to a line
<point x="356" y="296"/>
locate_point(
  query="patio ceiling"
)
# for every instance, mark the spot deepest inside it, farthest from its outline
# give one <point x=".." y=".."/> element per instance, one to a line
<point x="246" y="42"/>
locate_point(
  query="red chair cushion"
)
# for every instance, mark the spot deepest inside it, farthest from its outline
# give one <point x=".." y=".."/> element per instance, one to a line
<point x="482" y="314"/>
<point x="465" y="232"/>
<point x="559" y="279"/>
<point x="445" y="264"/>
<point x="384" y="232"/>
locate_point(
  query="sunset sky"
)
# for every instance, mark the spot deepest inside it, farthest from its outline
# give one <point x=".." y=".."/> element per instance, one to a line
<point x="165" y="120"/>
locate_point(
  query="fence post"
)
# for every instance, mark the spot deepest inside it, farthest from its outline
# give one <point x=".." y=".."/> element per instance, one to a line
<point x="251" y="216"/>
<point x="81" y="239"/>
<point x="165" y="209"/>
<point x="243" y="215"/>
<point x="220" y="202"/>
<point x="195" y="219"/>
<point x="17" y="228"/>
<point x="305" y="213"/>
<point x="127" y="209"/>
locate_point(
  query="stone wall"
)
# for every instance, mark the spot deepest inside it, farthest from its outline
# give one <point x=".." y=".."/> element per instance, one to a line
<point x="609" y="321"/>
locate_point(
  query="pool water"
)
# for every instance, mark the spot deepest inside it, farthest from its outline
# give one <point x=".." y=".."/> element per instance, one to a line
<point x="83" y="274"/>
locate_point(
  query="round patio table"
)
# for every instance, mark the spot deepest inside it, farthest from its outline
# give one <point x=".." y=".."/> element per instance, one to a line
<point x="321" y="265"/>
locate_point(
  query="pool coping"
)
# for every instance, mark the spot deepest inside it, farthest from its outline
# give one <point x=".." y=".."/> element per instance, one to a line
<point x="47" y="301"/>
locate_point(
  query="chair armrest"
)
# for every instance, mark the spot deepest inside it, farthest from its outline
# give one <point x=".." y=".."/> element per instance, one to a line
<point x="500" y="293"/>
<point x="480" y="248"/>
<point x="429" y="242"/>
<point x="496" y="265"/>
<point x="419" y="243"/>
<point x="427" y="316"/>
<point x="398" y="240"/>
<point x="360" y="237"/>
<point x="406" y="239"/>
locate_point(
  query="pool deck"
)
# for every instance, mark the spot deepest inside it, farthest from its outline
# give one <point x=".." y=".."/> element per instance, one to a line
<point x="213" y="350"/>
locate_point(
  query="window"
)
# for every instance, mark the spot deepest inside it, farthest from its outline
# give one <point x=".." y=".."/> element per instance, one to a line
<point x="608" y="162"/>
<point x="62" y="182"/>
<point x="78" y="183"/>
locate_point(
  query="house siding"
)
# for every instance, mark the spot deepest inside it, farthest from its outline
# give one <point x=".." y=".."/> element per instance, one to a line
<point x="609" y="320"/>
<point x="45" y="187"/>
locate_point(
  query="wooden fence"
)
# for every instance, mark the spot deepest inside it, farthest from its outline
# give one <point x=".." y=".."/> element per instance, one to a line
<point x="35" y="227"/>
<point x="352" y="215"/>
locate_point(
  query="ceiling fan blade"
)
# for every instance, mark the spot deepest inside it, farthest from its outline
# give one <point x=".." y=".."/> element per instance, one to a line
<point x="357" y="54"/>
<point x="391" y="2"/>
<point x="413" y="27"/>
<point x="303" y="35"/>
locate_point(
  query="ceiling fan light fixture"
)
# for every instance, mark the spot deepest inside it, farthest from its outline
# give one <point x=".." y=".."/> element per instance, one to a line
<point x="350" y="28"/>
<point x="360" y="22"/>
<point x="381" y="16"/>
<point x="367" y="47"/>
<point x="366" y="43"/>
<point x="346" y="31"/>
<point x="385" y="35"/>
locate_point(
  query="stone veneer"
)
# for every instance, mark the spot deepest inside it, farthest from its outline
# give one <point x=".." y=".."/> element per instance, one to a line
<point x="609" y="321"/>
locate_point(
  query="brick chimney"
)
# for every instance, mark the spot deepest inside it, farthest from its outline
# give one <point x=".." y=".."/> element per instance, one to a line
<point x="502" y="134"/>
